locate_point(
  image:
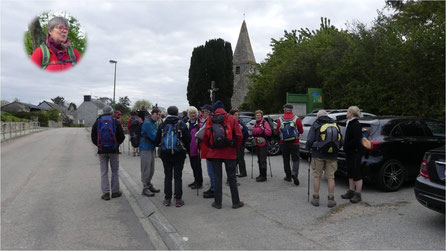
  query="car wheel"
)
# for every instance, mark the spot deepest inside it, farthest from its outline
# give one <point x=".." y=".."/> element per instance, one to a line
<point x="391" y="175"/>
<point x="273" y="147"/>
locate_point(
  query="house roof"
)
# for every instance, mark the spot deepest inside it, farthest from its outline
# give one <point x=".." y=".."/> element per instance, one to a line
<point x="31" y="106"/>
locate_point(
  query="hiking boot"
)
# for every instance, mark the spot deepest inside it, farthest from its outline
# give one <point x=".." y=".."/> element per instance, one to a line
<point x="356" y="198"/>
<point x="105" y="196"/>
<point x="208" y="194"/>
<point x="261" y="179"/>
<point x="117" y="194"/>
<point x="348" y="195"/>
<point x="191" y="184"/>
<point x="238" y="205"/>
<point x="179" y="203"/>
<point x="153" y="189"/>
<point x="331" y="201"/>
<point x="146" y="192"/>
<point x="287" y="178"/>
<point x="295" y="179"/>
<point x="196" y="186"/>
<point x="315" y="200"/>
<point x="166" y="202"/>
<point x="215" y="205"/>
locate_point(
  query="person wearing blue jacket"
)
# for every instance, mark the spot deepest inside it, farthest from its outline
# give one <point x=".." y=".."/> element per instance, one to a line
<point x="147" y="148"/>
<point x="241" y="151"/>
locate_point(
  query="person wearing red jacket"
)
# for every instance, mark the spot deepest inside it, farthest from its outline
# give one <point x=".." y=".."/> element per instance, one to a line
<point x="289" y="127"/>
<point x="226" y="154"/>
<point x="60" y="55"/>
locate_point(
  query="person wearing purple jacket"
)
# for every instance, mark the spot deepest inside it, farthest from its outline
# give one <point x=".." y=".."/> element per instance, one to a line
<point x="194" y="124"/>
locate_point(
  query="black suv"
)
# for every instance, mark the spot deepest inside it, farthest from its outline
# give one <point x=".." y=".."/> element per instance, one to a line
<point x="398" y="147"/>
<point x="429" y="186"/>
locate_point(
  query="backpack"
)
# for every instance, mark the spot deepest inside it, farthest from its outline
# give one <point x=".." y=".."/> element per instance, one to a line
<point x="171" y="138"/>
<point x="329" y="138"/>
<point x="221" y="132"/>
<point x="288" y="129"/>
<point x="107" y="133"/>
<point x="135" y="131"/>
<point x="271" y="126"/>
<point x="46" y="56"/>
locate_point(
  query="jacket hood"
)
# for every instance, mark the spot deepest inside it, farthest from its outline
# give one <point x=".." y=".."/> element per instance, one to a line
<point x="171" y="120"/>
<point x="324" y="119"/>
<point x="219" y="111"/>
<point x="288" y="115"/>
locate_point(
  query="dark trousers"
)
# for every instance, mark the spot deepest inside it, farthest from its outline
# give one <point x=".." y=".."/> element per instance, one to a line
<point x="173" y="168"/>
<point x="230" y="165"/>
<point x="261" y="159"/>
<point x="195" y="163"/>
<point x="241" y="161"/>
<point x="353" y="163"/>
<point x="290" y="150"/>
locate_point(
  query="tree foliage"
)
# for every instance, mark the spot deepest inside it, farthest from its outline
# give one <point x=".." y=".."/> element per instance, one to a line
<point x="59" y="100"/>
<point x="395" y="67"/>
<point x="123" y="105"/>
<point x="34" y="38"/>
<point x="138" y="104"/>
<point x="211" y="62"/>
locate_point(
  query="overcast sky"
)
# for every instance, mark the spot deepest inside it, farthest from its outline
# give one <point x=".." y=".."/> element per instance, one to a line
<point x="152" y="42"/>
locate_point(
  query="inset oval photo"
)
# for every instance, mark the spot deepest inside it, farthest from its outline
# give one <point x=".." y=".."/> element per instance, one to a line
<point x="55" y="41"/>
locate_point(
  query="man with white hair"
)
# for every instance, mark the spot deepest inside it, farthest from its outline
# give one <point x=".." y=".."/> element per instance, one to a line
<point x="323" y="141"/>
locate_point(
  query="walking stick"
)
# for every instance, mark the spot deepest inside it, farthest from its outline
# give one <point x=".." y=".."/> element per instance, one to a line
<point x="270" y="169"/>
<point x="252" y="162"/>
<point x="309" y="163"/>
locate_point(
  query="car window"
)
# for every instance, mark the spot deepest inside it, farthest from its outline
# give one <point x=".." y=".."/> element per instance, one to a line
<point x="341" y="117"/>
<point x="308" y="120"/>
<point x="412" y="129"/>
<point x="436" y="128"/>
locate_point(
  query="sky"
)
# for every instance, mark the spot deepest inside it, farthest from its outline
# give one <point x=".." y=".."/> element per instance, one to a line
<point x="152" y="42"/>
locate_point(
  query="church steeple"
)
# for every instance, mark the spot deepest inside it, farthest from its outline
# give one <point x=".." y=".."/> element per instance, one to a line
<point x="243" y="63"/>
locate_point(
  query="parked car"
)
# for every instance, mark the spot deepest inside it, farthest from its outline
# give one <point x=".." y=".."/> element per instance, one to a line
<point x="398" y="147"/>
<point x="246" y="118"/>
<point x="429" y="185"/>
<point x="273" y="147"/>
<point x="338" y="115"/>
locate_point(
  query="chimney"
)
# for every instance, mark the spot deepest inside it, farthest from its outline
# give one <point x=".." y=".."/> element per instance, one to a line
<point x="87" y="98"/>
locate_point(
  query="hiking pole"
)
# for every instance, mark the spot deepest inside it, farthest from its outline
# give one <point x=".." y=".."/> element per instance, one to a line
<point x="270" y="169"/>
<point x="309" y="163"/>
<point x="252" y="163"/>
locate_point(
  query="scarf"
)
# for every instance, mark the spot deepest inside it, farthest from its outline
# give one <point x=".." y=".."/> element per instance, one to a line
<point x="58" y="49"/>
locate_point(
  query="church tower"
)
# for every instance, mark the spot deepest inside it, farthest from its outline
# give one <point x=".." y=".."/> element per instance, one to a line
<point x="243" y="63"/>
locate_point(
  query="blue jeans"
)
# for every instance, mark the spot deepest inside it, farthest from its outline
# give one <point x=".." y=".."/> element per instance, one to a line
<point x="211" y="174"/>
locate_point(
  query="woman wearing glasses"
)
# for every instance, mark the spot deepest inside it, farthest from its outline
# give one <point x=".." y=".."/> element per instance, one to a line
<point x="56" y="54"/>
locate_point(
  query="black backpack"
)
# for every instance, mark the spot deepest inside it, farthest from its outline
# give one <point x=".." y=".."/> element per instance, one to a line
<point x="221" y="132"/>
<point x="135" y="131"/>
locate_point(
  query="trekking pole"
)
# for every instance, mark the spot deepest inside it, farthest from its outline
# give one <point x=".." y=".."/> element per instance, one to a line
<point x="270" y="169"/>
<point x="309" y="163"/>
<point x="252" y="163"/>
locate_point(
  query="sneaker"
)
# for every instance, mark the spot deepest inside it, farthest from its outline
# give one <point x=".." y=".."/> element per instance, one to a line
<point x="356" y="198"/>
<point x="348" y="195"/>
<point x="208" y="194"/>
<point x="179" y="203"/>
<point x="153" y="189"/>
<point x="146" y="192"/>
<point x="238" y="205"/>
<point x="215" y="205"/>
<point x="116" y="195"/>
<point x="105" y="196"/>
<point x="261" y="179"/>
<point x="287" y="179"/>
<point x="315" y="200"/>
<point x="191" y="184"/>
<point x="166" y="202"/>
<point x="295" y="179"/>
<point x="331" y="201"/>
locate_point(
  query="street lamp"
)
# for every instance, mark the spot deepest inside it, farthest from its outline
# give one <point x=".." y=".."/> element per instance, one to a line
<point x="114" y="82"/>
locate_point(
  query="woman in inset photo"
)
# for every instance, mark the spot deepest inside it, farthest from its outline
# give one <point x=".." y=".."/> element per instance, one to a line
<point x="56" y="53"/>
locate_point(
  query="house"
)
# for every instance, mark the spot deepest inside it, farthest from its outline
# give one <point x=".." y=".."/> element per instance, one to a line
<point x="63" y="111"/>
<point x="17" y="106"/>
<point x="89" y="110"/>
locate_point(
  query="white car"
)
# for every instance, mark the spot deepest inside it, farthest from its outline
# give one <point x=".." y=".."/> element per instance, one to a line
<point x="309" y="119"/>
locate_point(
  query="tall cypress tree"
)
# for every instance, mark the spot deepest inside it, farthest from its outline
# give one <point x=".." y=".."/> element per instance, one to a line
<point x="211" y="62"/>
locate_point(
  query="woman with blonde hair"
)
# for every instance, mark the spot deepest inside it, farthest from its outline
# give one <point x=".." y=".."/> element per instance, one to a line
<point x="193" y="125"/>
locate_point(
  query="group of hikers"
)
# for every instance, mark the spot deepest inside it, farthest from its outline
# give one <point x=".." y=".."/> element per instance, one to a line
<point x="219" y="137"/>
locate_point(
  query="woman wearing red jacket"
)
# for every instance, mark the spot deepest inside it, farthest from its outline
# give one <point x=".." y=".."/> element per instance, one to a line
<point x="56" y="54"/>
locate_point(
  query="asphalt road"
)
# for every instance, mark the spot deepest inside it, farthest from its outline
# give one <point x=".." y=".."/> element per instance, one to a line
<point x="51" y="197"/>
<point x="50" y="200"/>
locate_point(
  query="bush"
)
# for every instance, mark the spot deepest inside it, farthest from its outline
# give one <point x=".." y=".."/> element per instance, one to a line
<point x="8" y="117"/>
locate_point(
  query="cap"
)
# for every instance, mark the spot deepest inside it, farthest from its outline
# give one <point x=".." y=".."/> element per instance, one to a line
<point x="288" y="106"/>
<point x="207" y="107"/>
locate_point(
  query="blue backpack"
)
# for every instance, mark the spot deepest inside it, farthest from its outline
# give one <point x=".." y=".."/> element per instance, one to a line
<point x="171" y="138"/>
<point x="288" y="129"/>
<point x="107" y="133"/>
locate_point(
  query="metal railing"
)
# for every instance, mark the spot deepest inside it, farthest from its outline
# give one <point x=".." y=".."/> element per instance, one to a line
<point x="13" y="129"/>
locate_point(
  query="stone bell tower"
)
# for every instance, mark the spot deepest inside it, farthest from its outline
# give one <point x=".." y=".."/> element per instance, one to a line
<point x="243" y="63"/>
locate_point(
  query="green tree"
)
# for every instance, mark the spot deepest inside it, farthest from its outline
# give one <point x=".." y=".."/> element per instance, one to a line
<point x="139" y="103"/>
<point x="59" y="100"/>
<point x="123" y="105"/>
<point x="211" y="62"/>
<point x="34" y="38"/>
<point x="53" y="114"/>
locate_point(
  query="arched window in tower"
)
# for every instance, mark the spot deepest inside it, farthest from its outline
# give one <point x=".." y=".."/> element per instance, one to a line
<point x="237" y="70"/>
